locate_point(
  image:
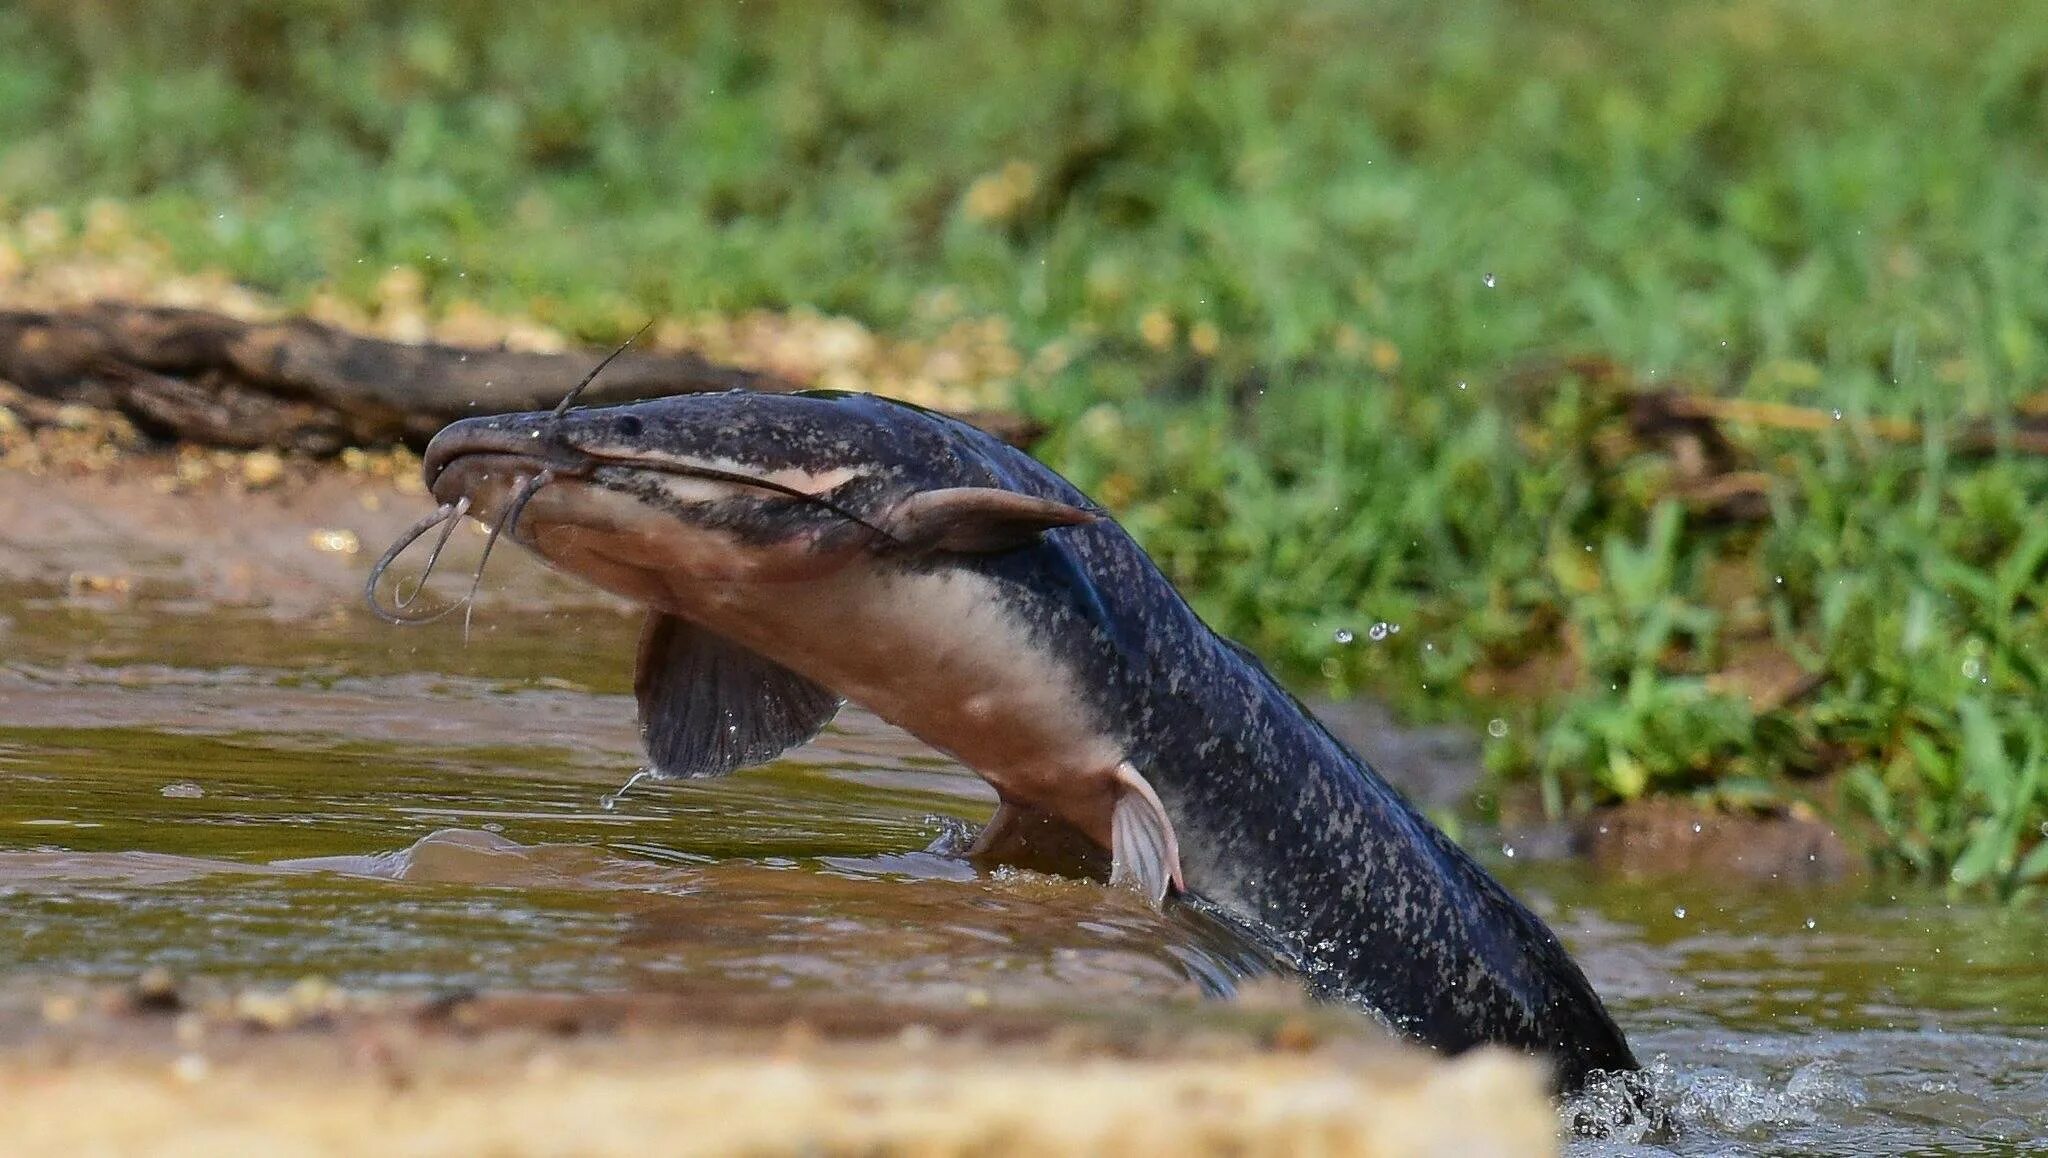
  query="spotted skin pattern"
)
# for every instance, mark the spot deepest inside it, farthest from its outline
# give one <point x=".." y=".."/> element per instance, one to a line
<point x="1283" y="832"/>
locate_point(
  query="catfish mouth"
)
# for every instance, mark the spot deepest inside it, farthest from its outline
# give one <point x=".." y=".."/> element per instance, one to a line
<point x="578" y="510"/>
<point x="480" y="476"/>
<point x="458" y="458"/>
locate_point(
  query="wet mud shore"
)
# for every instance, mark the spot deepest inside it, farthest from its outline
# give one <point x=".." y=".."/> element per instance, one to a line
<point x="314" y="1071"/>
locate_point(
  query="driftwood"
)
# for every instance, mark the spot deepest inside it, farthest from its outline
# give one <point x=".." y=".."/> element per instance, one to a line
<point x="301" y="385"/>
<point x="1713" y="473"/>
<point x="1666" y="409"/>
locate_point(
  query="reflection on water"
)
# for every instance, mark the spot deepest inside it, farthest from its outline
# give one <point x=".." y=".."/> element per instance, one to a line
<point x="389" y="810"/>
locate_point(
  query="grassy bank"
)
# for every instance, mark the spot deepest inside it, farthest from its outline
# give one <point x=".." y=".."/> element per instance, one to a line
<point x="1338" y="304"/>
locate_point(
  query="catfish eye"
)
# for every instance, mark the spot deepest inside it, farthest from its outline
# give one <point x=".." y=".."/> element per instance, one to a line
<point x="629" y="426"/>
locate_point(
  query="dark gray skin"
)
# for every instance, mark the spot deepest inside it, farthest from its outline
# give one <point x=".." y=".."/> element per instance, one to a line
<point x="1282" y="831"/>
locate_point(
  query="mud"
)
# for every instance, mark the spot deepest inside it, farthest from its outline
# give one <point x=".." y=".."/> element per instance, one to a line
<point x="290" y="537"/>
<point x="314" y="1071"/>
<point x="1653" y="838"/>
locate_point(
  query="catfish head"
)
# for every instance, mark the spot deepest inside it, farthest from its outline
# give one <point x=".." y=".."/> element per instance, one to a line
<point x="737" y="488"/>
<point x="784" y="544"/>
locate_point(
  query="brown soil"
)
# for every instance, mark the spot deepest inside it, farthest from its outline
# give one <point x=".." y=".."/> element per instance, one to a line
<point x="99" y="524"/>
<point x="1666" y="837"/>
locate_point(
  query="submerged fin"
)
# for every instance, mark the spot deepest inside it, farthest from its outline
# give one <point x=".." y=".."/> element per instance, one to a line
<point x="1141" y="839"/>
<point x="1001" y="832"/>
<point x="1029" y="838"/>
<point x="977" y="519"/>
<point x="708" y="705"/>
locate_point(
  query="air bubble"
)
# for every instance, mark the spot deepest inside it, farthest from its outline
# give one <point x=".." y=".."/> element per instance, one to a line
<point x="1380" y="631"/>
<point x="1497" y="728"/>
<point x="1344" y="635"/>
<point x="1489" y="280"/>
<point x="1679" y="912"/>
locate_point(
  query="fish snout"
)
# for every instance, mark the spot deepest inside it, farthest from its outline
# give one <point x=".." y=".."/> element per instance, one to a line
<point x="519" y="442"/>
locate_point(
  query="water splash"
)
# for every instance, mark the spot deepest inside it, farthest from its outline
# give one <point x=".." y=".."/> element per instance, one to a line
<point x="1623" y="1111"/>
<point x="610" y="800"/>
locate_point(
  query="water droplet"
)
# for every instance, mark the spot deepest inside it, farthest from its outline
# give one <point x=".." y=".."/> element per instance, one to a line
<point x="610" y="800"/>
<point x="1838" y="416"/>
<point x="1461" y="385"/>
<point x="1380" y="631"/>
<point x="1497" y="727"/>
<point x="1779" y="580"/>
<point x="1489" y="280"/>
<point x="183" y="790"/>
<point x="1695" y="826"/>
<point x="1344" y="635"/>
<point x="1507" y="850"/>
<point x="1679" y="912"/>
<point x="1810" y="922"/>
<point x="1973" y="668"/>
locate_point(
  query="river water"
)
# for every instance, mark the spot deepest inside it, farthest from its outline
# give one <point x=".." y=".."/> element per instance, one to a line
<point x="222" y="795"/>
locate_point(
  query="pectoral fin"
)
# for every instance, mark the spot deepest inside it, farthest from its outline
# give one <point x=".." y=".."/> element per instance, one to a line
<point x="708" y="705"/>
<point x="976" y="519"/>
<point x="1145" y="852"/>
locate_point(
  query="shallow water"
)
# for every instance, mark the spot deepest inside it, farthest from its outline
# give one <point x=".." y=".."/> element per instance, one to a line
<point x="388" y="808"/>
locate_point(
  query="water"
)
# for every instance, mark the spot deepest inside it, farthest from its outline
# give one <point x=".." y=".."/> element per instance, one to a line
<point x="388" y="809"/>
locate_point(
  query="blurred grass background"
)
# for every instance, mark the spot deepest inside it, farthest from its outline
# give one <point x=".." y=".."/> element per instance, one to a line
<point x="1307" y="292"/>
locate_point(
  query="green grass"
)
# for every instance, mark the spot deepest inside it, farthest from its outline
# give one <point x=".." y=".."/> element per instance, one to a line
<point x="1384" y="215"/>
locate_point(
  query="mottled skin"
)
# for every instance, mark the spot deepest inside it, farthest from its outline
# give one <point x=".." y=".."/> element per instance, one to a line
<point x="1282" y="830"/>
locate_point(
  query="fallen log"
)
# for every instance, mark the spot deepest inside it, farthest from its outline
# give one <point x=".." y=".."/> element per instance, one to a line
<point x="300" y="385"/>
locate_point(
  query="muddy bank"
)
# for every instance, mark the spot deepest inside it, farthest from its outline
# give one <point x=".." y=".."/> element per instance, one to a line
<point x="290" y="536"/>
<point x="312" y="1071"/>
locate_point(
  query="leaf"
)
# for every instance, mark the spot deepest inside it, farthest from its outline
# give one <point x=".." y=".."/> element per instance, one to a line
<point x="1981" y="857"/>
<point x="1625" y="774"/>
<point x="1985" y="762"/>
<point x="2016" y="573"/>
<point x="2035" y="866"/>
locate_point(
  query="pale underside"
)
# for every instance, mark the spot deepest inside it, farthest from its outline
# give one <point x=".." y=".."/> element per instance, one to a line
<point x="936" y="649"/>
